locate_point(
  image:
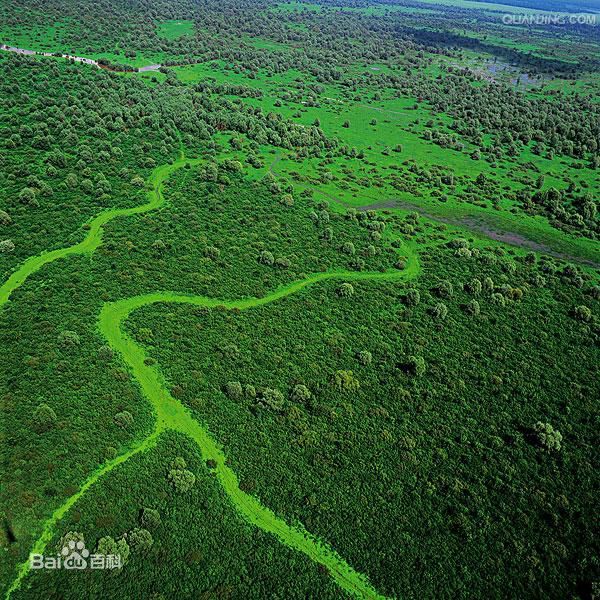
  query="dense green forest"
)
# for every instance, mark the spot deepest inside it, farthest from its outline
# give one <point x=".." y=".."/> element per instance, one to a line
<point x="299" y="299"/>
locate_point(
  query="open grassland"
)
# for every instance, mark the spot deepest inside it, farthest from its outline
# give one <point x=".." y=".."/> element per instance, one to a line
<point x="375" y="127"/>
<point x="174" y="29"/>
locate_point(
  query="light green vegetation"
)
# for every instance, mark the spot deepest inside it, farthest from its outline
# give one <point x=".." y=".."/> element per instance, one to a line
<point x="49" y="41"/>
<point x="477" y="220"/>
<point x="587" y="84"/>
<point x="394" y="115"/>
<point x="401" y="121"/>
<point x="398" y="121"/>
<point x="41" y="39"/>
<point x="140" y="59"/>
<point x="175" y="28"/>
<point x="212" y="70"/>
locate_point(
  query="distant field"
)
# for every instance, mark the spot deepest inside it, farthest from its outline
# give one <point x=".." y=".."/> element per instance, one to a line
<point x="377" y="126"/>
<point x="376" y="10"/>
<point x="393" y="116"/>
<point x="514" y="9"/>
<point x="297" y="7"/>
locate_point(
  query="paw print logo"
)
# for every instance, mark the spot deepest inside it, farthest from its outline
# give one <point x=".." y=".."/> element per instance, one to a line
<point x="74" y="555"/>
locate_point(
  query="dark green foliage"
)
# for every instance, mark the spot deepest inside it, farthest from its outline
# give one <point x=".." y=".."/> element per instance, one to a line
<point x="434" y="445"/>
<point x="110" y="547"/>
<point x="124" y="419"/>
<point x="583" y="313"/>
<point x="271" y="399"/>
<point x="415" y="365"/>
<point x="346" y="290"/>
<point x="444" y="289"/>
<point x="234" y="389"/>
<point x="472" y="307"/>
<point x="301" y="394"/>
<point x="412" y="297"/>
<point x="182" y="479"/>
<point x="365" y="357"/>
<point x="439" y="311"/>
<point x="43" y="418"/>
<point x="200" y="545"/>
<point x="256" y="237"/>
<point x="345" y="381"/>
<point x="150" y="518"/>
<point x="139" y="540"/>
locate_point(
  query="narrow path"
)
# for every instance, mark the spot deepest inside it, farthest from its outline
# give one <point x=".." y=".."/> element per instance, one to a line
<point x="80" y="59"/>
<point x="170" y="413"/>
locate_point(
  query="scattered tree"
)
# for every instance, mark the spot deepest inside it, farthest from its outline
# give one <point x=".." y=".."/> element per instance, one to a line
<point x="547" y="437"/>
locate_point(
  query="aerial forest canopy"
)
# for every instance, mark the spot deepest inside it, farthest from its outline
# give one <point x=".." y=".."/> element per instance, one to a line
<point x="299" y="299"/>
